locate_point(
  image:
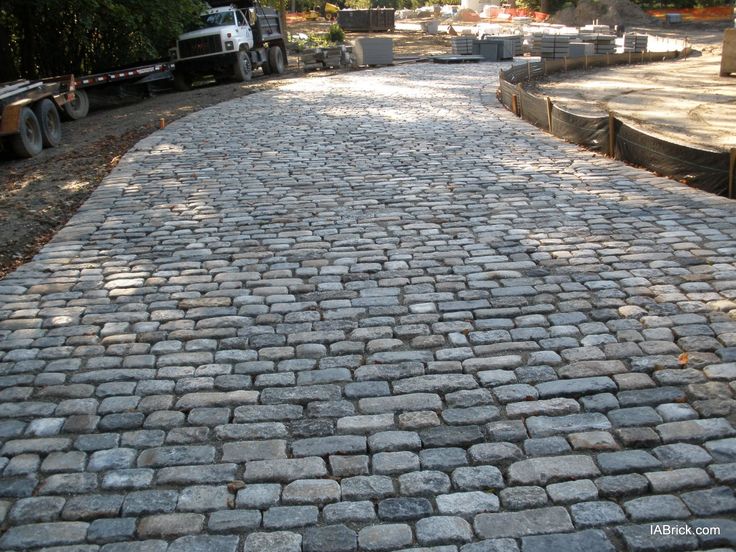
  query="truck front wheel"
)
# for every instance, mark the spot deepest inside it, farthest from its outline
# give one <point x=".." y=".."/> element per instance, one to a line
<point x="28" y="142"/>
<point x="243" y="68"/>
<point x="276" y="59"/>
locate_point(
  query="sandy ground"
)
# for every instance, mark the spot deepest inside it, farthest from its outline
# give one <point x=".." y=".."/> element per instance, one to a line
<point x="684" y="100"/>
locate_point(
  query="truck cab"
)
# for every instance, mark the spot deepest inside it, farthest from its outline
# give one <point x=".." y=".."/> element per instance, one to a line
<point x="229" y="42"/>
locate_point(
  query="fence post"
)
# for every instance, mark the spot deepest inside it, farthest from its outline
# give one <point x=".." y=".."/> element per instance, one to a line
<point x="549" y="114"/>
<point x="528" y="70"/>
<point x="586" y="63"/>
<point x="731" y="170"/>
<point x="611" y="135"/>
<point x="515" y="104"/>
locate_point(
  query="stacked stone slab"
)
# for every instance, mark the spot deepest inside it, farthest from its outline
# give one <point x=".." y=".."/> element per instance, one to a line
<point x="635" y="42"/>
<point x="462" y="45"/>
<point x="323" y="58"/>
<point x="553" y="46"/>
<point x="604" y="43"/>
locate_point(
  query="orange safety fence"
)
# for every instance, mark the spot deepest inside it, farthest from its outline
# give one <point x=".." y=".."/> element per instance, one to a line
<point x="695" y="14"/>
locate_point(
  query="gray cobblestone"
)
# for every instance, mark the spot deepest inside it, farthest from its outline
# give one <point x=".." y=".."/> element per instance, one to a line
<point x="224" y="337"/>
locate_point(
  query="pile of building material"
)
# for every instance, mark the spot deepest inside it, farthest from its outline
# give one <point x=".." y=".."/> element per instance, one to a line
<point x="551" y="46"/>
<point x="325" y="58"/>
<point x="595" y="29"/>
<point x="373" y="51"/>
<point x="635" y="43"/>
<point x="603" y="43"/>
<point x="581" y="49"/>
<point x="515" y="43"/>
<point x="462" y="45"/>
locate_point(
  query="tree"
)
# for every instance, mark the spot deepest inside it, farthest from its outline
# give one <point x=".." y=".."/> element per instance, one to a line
<point x="52" y="37"/>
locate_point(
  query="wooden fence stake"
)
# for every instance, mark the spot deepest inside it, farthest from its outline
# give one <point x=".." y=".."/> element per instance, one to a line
<point x="611" y="135"/>
<point x="731" y="170"/>
<point x="549" y="114"/>
<point x="515" y="104"/>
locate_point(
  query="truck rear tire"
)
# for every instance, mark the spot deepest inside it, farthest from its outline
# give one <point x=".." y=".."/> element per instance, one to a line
<point x="49" y="121"/>
<point x="28" y="142"/>
<point x="78" y="107"/>
<point x="243" y="68"/>
<point x="182" y="82"/>
<point x="276" y="60"/>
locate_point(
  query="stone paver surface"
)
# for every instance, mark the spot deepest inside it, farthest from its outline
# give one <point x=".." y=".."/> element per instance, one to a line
<point x="373" y="312"/>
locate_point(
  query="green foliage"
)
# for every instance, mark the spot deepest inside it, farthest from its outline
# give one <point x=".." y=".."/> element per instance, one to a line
<point x="335" y="34"/>
<point x="52" y="37"/>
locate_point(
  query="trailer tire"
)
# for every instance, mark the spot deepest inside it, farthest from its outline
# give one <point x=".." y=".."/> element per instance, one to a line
<point x="28" y="142"/>
<point x="78" y="107"/>
<point x="276" y="60"/>
<point x="49" y="121"/>
<point x="243" y="68"/>
<point x="182" y="82"/>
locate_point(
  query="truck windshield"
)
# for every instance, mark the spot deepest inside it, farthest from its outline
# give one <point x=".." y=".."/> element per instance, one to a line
<point x="219" y="19"/>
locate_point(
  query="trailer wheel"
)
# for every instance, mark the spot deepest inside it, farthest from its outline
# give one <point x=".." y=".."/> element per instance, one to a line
<point x="50" y="122"/>
<point x="29" y="141"/>
<point x="243" y="68"/>
<point x="276" y="59"/>
<point x="78" y="107"/>
<point x="182" y="82"/>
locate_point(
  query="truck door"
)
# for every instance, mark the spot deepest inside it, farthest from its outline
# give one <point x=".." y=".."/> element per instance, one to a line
<point x="244" y="30"/>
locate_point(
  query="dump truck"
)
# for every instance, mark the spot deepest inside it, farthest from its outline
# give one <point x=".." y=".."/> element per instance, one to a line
<point x="30" y="114"/>
<point x="229" y="42"/>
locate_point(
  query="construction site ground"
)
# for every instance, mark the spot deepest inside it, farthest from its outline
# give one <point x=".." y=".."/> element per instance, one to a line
<point x="684" y="100"/>
<point x="38" y="196"/>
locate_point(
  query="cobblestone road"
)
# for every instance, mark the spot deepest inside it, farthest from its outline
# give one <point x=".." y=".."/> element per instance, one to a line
<point x="372" y="312"/>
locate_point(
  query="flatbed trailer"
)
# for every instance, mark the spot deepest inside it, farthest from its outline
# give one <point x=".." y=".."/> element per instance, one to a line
<point x="29" y="114"/>
<point x="143" y="74"/>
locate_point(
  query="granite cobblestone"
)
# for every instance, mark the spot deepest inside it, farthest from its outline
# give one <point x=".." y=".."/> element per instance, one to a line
<point x="407" y="321"/>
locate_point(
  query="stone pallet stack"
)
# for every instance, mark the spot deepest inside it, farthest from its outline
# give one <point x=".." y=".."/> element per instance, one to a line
<point x="322" y="58"/>
<point x="635" y="43"/>
<point x="595" y="29"/>
<point x="462" y="45"/>
<point x="515" y="43"/>
<point x="552" y="46"/>
<point x="604" y="43"/>
<point x="580" y="49"/>
<point x="373" y="51"/>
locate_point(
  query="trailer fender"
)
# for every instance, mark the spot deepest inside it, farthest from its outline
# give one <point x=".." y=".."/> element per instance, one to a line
<point x="10" y="121"/>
